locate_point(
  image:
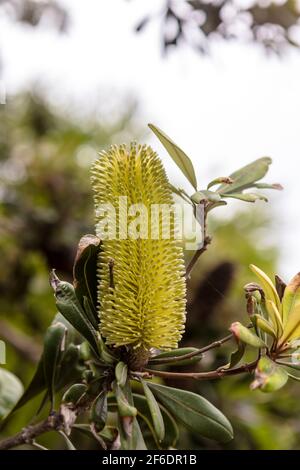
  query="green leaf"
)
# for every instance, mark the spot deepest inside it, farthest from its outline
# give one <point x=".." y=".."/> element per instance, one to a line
<point x="264" y="325"/>
<point x="220" y="180"/>
<point x="157" y="418"/>
<point x="236" y="356"/>
<point x="74" y="393"/>
<point x="275" y="186"/>
<point x="291" y="298"/>
<point x="247" y="176"/>
<point x="11" y="390"/>
<point x="121" y="371"/>
<point x="54" y="345"/>
<point x="125" y="409"/>
<point x="99" y="411"/>
<point x="269" y="376"/>
<point x="246" y="197"/>
<point x="267" y="285"/>
<point x="206" y="195"/>
<point x="69" y="443"/>
<point x="174" y="357"/>
<point x="85" y="270"/>
<point x="246" y="336"/>
<point x="171" y="428"/>
<point x="35" y="387"/>
<point x="195" y="412"/>
<point x="180" y="158"/>
<point x="69" y="306"/>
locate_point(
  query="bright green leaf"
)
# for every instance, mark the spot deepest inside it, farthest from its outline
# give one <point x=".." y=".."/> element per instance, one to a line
<point x="156" y="414"/>
<point x="246" y="176"/>
<point x="180" y="158"/>
<point x="246" y="336"/>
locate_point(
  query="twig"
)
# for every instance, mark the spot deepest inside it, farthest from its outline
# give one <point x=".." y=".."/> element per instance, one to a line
<point x="206" y="241"/>
<point x="20" y="342"/>
<point x="215" y="344"/>
<point x="191" y="265"/>
<point x="214" y="374"/>
<point x="27" y="435"/>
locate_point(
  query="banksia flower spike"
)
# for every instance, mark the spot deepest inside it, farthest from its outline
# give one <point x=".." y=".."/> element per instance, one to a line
<point x="141" y="287"/>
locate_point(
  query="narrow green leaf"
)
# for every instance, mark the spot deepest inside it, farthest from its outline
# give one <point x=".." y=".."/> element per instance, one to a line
<point x="267" y="285"/>
<point x="157" y="418"/>
<point x="125" y="409"/>
<point x="174" y="357"/>
<point x="291" y="298"/>
<point x="246" y="197"/>
<point x="171" y="428"/>
<point x="53" y="347"/>
<point x="90" y="313"/>
<point x="11" y="390"/>
<point x="264" y="325"/>
<point x="246" y="336"/>
<point x="195" y="412"/>
<point x="221" y="180"/>
<point x="69" y="444"/>
<point x="121" y="371"/>
<point x="69" y="306"/>
<point x="99" y="411"/>
<point x="85" y="270"/>
<point x="138" y="437"/>
<point x="74" y="393"/>
<point x="246" y="176"/>
<point x="275" y="186"/>
<point x="180" y="158"/>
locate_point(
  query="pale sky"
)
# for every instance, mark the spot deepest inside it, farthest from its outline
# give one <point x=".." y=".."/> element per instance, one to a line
<point x="224" y="110"/>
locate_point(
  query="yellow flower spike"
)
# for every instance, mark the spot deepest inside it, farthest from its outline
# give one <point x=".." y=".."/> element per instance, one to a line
<point x="142" y="291"/>
<point x="267" y="285"/>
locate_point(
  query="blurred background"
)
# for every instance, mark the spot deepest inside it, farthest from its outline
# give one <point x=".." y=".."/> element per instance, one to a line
<point x="221" y="78"/>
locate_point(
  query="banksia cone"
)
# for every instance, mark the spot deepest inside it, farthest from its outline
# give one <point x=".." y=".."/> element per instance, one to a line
<point x="141" y="281"/>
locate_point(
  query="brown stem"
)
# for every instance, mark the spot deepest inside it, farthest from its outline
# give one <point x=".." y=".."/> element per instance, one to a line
<point x="215" y="344"/>
<point x="206" y="241"/>
<point x="27" y="435"/>
<point x="214" y="374"/>
<point x="191" y="265"/>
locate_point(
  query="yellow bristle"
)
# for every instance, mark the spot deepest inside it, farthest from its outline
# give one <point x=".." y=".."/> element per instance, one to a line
<point x="145" y="306"/>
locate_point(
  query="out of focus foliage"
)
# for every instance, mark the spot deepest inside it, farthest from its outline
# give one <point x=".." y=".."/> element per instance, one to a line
<point x="34" y="13"/>
<point x="45" y="207"/>
<point x="272" y="24"/>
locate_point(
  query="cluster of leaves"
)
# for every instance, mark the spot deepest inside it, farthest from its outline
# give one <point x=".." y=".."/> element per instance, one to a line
<point x="232" y="186"/>
<point x="272" y="25"/>
<point x="275" y="316"/>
